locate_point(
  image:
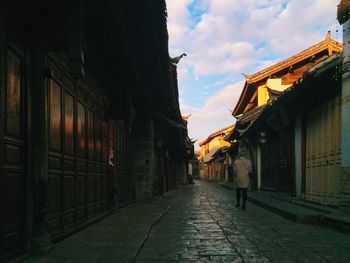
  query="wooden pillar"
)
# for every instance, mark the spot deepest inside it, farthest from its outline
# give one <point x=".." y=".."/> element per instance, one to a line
<point x="41" y="241"/>
<point x="298" y="154"/>
<point x="258" y="165"/>
<point x="345" y="113"/>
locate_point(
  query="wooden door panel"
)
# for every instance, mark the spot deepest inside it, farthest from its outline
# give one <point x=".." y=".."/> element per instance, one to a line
<point x="55" y="116"/>
<point x="81" y="130"/>
<point x="54" y="163"/>
<point x="13" y="173"/>
<point x="13" y="206"/>
<point x="268" y="164"/>
<point x="277" y="161"/>
<point x="80" y="195"/>
<point x="54" y="204"/>
<point x="69" y="189"/>
<point x="76" y="154"/>
<point x="68" y="165"/>
<point x="68" y="124"/>
<point x="323" y="153"/>
<point x="13" y="95"/>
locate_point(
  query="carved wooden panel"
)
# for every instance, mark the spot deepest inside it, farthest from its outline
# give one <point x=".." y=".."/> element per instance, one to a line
<point x="68" y="123"/>
<point x="13" y="94"/>
<point x="105" y="148"/>
<point x="81" y="131"/>
<point x="78" y="189"/>
<point x="55" y="115"/>
<point x="90" y="134"/>
<point x="12" y="153"/>
<point x="98" y="139"/>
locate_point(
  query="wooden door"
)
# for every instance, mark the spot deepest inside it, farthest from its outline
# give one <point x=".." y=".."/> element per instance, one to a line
<point x="285" y="170"/>
<point x="13" y="172"/>
<point x="267" y="166"/>
<point x="78" y="179"/>
<point x="323" y="153"/>
<point x="277" y="161"/>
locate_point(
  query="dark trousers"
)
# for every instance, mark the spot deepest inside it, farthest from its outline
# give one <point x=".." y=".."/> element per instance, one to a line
<point x="238" y="195"/>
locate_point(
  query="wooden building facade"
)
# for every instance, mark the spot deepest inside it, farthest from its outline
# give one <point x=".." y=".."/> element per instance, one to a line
<point x="273" y="146"/>
<point x="77" y="165"/>
<point x="323" y="152"/>
<point x="314" y="128"/>
<point x="214" y="158"/>
<point x="81" y="113"/>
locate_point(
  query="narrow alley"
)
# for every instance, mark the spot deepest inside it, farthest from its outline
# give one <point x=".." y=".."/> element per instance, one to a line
<point x="199" y="223"/>
<point x="126" y="127"/>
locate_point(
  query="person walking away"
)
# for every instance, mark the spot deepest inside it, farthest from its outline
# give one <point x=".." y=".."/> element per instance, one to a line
<point x="189" y="174"/>
<point x="242" y="168"/>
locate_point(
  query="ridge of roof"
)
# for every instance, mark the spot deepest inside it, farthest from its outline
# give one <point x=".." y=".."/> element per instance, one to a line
<point x="331" y="61"/>
<point x="250" y="115"/>
<point x="324" y="44"/>
<point x="214" y="134"/>
<point x="264" y="73"/>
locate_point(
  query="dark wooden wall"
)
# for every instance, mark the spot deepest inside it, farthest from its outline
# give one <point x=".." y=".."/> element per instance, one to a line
<point x="277" y="164"/>
<point x="13" y="138"/>
<point x="78" y="179"/>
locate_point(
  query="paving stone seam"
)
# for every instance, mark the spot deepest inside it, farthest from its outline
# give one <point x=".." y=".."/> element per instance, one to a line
<point x="142" y="244"/>
<point x="217" y="222"/>
<point x="222" y="229"/>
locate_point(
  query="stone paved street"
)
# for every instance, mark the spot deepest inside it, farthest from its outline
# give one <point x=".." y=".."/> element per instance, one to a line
<point x="198" y="223"/>
<point x="204" y="226"/>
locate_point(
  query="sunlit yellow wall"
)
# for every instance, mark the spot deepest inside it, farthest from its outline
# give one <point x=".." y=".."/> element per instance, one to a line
<point x="274" y="84"/>
<point x="262" y="95"/>
<point x="214" y="143"/>
<point x="224" y="143"/>
<point x="202" y="153"/>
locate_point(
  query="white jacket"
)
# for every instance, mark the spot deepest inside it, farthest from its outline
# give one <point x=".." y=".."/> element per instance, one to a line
<point x="242" y="167"/>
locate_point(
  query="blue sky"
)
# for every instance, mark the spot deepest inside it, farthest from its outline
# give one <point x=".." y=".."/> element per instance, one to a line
<point x="225" y="38"/>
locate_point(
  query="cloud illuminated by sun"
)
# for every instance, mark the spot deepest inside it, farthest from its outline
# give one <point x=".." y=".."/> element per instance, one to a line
<point x="224" y="38"/>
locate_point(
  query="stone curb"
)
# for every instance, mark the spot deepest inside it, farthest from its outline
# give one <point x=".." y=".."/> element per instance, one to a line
<point x="298" y="214"/>
<point x="305" y="217"/>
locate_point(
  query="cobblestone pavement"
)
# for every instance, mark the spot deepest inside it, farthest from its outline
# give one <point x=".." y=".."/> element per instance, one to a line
<point x="204" y="226"/>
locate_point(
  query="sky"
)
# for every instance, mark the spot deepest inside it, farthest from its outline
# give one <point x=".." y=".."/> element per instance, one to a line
<point x="225" y="38"/>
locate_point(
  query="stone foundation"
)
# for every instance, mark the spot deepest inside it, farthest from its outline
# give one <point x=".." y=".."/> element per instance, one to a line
<point x="142" y="161"/>
<point x="344" y="202"/>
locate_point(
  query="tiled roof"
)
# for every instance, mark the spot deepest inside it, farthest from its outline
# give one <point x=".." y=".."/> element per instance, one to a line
<point x="250" y="115"/>
<point x="216" y="133"/>
<point x="299" y="87"/>
<point x="325" y="44"/>
<point x="248" y="90"/>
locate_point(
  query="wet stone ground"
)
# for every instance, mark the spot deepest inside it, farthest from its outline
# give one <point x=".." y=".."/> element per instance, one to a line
<point x="205" y="226"/>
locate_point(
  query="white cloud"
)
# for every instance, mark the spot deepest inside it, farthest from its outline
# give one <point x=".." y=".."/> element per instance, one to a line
<point x="223" y="57"/>
<point x="178" y="18"/>
<point x="235" y="36"/>
<point x="215" y="114"/>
